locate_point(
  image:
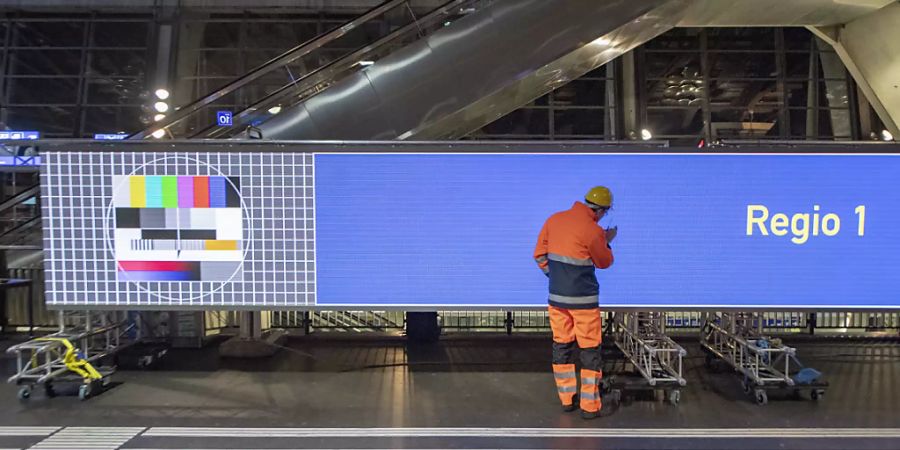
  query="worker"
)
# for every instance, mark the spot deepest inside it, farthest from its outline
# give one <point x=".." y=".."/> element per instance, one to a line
<point x="571" y="244"/>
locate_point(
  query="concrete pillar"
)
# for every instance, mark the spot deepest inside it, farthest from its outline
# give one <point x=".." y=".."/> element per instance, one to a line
<point x="250" y="325"/>
<point x="812" y="95"/>
<point x="630" y="112"/>
<point x="870" y="49"/>
<point x="189" y="36"/>
<point x="835" y="89"/>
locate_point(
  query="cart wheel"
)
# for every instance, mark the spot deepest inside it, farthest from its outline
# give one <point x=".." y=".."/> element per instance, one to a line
<point x="817" y="394"/>
<point x="761" y="397"/>
<point x="48" y="390"/>
<point x="675" y="397"/>
<point x="606" y="383"/>
<point x="24" y="393"/>
<point x="615" y="396"/>
<point x="85" y="391"/>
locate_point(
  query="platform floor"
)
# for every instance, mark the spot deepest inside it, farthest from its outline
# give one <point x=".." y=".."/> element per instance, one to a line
<point x="330" y="391"/>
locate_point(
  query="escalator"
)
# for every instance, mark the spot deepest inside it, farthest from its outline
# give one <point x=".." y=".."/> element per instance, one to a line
<point x="439" y="73"/>
<point x="20" y="215"/>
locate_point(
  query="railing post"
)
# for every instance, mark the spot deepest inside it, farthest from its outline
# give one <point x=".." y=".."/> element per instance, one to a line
<point x="811" y="322"/>
<point x="30" y="300"/>
<point x="422" y="326"/>
<point x="307" y="323"/>
<point x="4" y="273"/>
<point x="509" y="323"/>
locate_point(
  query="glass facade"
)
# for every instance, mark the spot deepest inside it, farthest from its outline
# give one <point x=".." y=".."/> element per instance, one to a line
<point x="716" y="83"/>
<point x="582" y="109"/>
<point x="76" y="75"/>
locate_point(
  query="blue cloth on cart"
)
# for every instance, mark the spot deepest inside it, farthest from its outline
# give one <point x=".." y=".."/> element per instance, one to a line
<point x="763" y="343"/>
<point x="806" y="375"/>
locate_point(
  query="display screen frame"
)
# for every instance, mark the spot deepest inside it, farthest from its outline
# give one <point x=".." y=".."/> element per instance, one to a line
<point x="480" y="147"/>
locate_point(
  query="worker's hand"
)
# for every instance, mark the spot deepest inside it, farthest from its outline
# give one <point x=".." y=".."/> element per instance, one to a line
<point x="611" y="234"/>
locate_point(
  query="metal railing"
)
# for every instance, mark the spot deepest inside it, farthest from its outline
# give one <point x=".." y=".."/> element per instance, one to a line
<point x="871" y="321"/>
<point x="18" y="304"/>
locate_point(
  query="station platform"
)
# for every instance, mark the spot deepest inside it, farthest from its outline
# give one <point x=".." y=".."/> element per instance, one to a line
<point x="331" y="391"/>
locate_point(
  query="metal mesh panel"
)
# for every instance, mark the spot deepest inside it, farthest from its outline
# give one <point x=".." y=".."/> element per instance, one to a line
<point x="472" y="320"/>
<point x="870" y="321"/>
<point x="341" y="320"/>
<point x="17" y="301"/>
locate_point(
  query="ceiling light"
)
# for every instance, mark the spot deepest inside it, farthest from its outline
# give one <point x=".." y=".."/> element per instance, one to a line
<point x="161" y="106"/>
<point x="603" y="42"/>
<point x="162" y="94"/>
<point x="159" y="117"/>
<point x="887" y="136"/>
<point x="366" y="63"/>
<point x="646" y="134"/>
<point x="275" y="109"/>
<point x="159" y="133"/>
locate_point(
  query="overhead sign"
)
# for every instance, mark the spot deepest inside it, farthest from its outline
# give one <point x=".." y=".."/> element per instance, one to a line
<point x="19" y="135"/>
<point x="457" y="230"/>
<point x="224" y="118"/>
<point x="20" y="161"/>
<point x="110" y="137"/>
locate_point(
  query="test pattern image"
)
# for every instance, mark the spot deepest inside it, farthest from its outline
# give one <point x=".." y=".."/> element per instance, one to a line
<point x="183" y="230"/>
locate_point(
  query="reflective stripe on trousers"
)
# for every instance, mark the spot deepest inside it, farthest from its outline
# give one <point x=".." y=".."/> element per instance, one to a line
<point x="566" y="382"/>
<point x="590" y="390"/>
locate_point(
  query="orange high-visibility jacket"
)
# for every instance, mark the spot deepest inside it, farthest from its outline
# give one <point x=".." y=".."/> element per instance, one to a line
<point x="570" y="246"/>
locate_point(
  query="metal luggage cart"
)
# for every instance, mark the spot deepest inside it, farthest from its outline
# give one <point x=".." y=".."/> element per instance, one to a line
<point x="69" y="355"/>
<point x="764" y="363"/>
<point x="655" y="357"/>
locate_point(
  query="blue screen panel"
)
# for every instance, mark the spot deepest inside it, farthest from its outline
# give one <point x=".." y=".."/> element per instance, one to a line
<point x="459" y="230"/>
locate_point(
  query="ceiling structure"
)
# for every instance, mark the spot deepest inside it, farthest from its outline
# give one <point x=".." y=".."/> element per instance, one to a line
<point x="842" y="23"/>
<point x="700" y="13"/>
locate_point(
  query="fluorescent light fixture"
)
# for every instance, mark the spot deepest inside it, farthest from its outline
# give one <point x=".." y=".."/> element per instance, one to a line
<point x="161" y="106"/>
<point x="159" y="133"/>
<point x="275" y="109"/>
<point x="162" y="94"/>
<point x="159" y="117"/>
<point x="366" y="63"/>
<point x="646" y="134"/>
<point x="887" y="136"/>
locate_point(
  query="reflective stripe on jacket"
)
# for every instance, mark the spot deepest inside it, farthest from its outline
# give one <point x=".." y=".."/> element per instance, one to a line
<point x="570" y="246"/>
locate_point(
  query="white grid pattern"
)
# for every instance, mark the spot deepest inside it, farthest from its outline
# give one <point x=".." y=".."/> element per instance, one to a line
<point x="277" y="191"/>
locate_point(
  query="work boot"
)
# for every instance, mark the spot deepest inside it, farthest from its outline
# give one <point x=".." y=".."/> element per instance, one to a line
<point x="571" y="407"/>
<point x="588" y="415"/>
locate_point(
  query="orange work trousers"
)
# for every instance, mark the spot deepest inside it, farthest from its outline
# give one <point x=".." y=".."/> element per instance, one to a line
<point x="584" y="327"/>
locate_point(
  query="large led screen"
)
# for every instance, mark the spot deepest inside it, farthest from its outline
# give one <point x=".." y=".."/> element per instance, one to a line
<point x="444" y="230"/>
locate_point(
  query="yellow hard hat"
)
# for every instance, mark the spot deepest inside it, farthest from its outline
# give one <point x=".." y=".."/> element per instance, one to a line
<point x="600" y="196"/>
